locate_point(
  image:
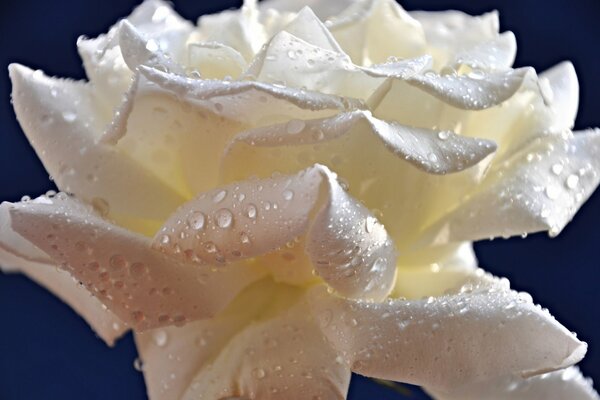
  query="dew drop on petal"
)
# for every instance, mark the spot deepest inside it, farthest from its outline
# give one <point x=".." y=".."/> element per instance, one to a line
<point x="224" y="218"/>
<point x="160" y="338"/>
<point x="572" y="181"/>
<point x="196" y="220"/>
<point x="295" y="126"/>
<point x="288" y="195"/>
<point x="251" y="211"/>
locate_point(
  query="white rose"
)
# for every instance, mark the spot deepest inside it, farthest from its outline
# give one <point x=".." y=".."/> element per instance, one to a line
<point x="271" y="202"/>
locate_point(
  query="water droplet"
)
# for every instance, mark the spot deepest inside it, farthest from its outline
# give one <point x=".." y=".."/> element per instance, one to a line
<point x="152" y="45"/>
<point x="69" y="116"/>
<point x="370" y="223"/>
<point x="196" y="220"/>
<point x="219" y="196"/>
<point x="443" y="135"/>
<point x="138" y="365"/>
<point x="259" y="373"/>
<point x="138" y="269"/>
<point x="244" y="238"/>
<point x="476" y="74"/>
<point x="557" y="169"/>
<point x="117" y="261"/>
<point x="251" y="211"/>
<point x="160" y="338"/>
<point x="224" y="218"/>
<point x="288" y="195"/>
<point x="572" y="181"/>
<point x="291" y="54"/>
<point x="295" y="126"/>
<point x="165" y="239"/>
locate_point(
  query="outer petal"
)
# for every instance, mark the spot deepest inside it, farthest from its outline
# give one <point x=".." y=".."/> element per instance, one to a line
<point x="539" y="188"/>
<point x="561" y="90"/>
<point x="173" y="356"/>
<point x="61" y="123"/>
<point x="363" y="30"/>
<point x="323" y="9"/>
<point x="431" y="151"/>
<point x="497" y="54"/>
<point x="285" y="358"/>
<point x="433" y="271"/>
<point x="348" y="248"/>
<point x="566" y="384"/>
<point x="178" y="125"/>
<point x="19" y="255"/>
<point x="141" y="286"/>
<point x="483" y="332"/>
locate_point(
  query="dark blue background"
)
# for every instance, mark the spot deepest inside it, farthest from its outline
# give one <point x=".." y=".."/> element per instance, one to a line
<point x="47" y="351"/>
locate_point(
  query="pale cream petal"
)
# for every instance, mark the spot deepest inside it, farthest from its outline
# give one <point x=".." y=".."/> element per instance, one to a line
<point x="450" y="32"/>
<point x="540" y="188"/>
<point x="138" y="50"/>
<point x="497" y="54"/>
<point x="173" y="356"/>
<point x="433" y="271"/>
<point x="346" y="245"/>
<point x="285" y="357"/>
<point x="60" y="122"/>
<point x="19" y="255"/>
<point x="326" y="71"/>
<point x="476" y="91"/>
<point x="323" y="9"/>
<point x="238" y="29"/>
<point x="140" y="285"/>
<point x="245" y="101"/>
<point x="307" y="27"/>
<point x="431" y="151"/>
<point x="404" y="198"/>
<point x="565" y="384"/>
<point x="176" y="126"/>
<point x="481" y="332"/>
<point x="102" y="59"/>
<point x="561" y="89"/>
<point x="364" y="30"/>
<point x="214" y="60"/>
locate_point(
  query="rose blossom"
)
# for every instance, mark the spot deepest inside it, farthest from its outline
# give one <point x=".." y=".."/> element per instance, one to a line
<point x="271" y="201"/>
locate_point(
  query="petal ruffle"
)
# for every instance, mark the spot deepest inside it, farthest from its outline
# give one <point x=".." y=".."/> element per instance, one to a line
<point x="141" y="286"/>
<point x="539" y="188"/>
<point x="346" y="245"/>
<point x="61" y="123"/>
<point x="482" y="332"/>
<point x="565" y="384"/>
<point x="19" y="255"/>
<point x="285" y="358"/>
<point x="431" y="151"/>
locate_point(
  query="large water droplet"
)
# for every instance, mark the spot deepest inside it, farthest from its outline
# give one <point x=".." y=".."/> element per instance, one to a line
<point x="224" y="218"/>
<point x="196" y="220"/>
<point x="288" y="195"/>
<point x="160" y="338"/>
<point x="251" y="211"/>
<point x="219" y="196"/>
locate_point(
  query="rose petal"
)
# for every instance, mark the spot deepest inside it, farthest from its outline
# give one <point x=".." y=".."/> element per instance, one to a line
<point x="141" y="286"/>
<point x="19" y="255"/>
<point x="60" y="122"/>
<point x="364" y="30"/>
<point x="307" y="27"/>
<point x="539" y="188"/>
<point x="497" y="54"/>
<point x="482" y="332"/>
<point x="252" y="102"/>
<point x="473" y="92"/>
<point x="137" y="50"/>
<point x="405" y="199"/>
<point x="102" y="59"/>
<point x="241" y="29"/>
<point x="558" y="385"/>
<point x="431" y="151"/>
<point x="215" y="60"/>
<point x="285" y="357"/>
<point x="323" y="9"/>
<point x="348" y="248"/>
<point x="433" y="271"/>
<point x="561" y="89"/>
<point x="324" y="70"/>
<point x="173" y="356"/>
<point x="450" y="32"/>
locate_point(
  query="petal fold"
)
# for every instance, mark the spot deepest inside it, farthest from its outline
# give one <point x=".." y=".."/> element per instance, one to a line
<point x="346" y="245"/>
<point x="481" y="332"/>
<point x="141" y="286"/>
<point x="565" y="384"/>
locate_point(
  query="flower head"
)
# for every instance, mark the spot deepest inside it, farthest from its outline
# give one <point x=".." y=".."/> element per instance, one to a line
<point x="280" y="195"/>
